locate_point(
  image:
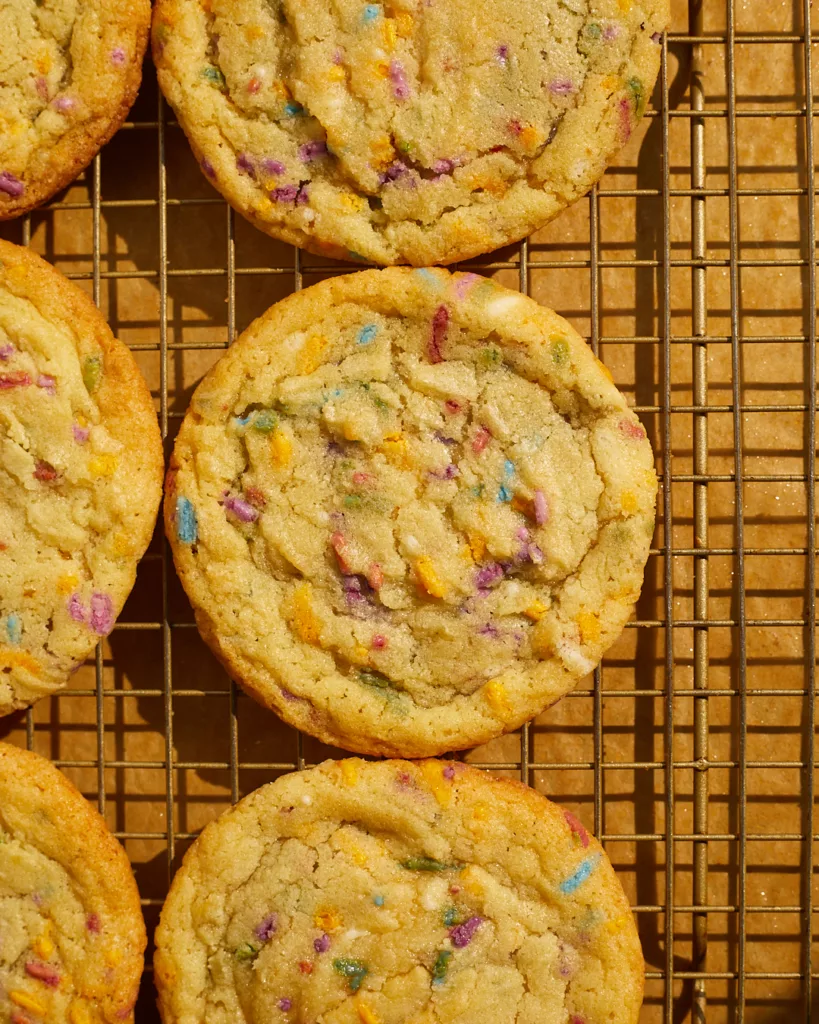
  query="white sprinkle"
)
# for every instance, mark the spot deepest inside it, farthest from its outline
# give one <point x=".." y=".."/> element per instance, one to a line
<point x="412" y="544"/>
<point x="308" y="215"/>
<point x="354" y="933"/>
<point x="306" y="800"/>
<point x="434" y="894"/>
<point x="573" y="659"/>
<point x="504" y="304"/>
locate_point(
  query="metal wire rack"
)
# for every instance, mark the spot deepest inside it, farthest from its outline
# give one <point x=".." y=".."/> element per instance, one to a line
<point x="691" y="752"/>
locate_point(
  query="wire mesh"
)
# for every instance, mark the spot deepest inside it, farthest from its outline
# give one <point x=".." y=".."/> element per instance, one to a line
<point x="691" y="270"/>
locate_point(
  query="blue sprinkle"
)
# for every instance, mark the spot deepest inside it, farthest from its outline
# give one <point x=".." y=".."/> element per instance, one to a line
<point x="187" y="529"/>
<point x="14" y="628"/>
<point x="371" y="12"/>
<point x="378" y="901"/>
<point x="503" y="494"/>
<point x="293" y="109"/>
<point x="353" y="255"/>
<point x="427" y="275"/>
<point x="366" y="334"/>
<point x="573" y="882"/>
<point x="509" y="468"/>
<point x="242" y="421"/>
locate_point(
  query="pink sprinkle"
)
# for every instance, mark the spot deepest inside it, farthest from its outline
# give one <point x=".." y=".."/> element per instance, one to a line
<point x="375" y="576"/>
<point x="454" y="889"/>
<point x="42" y="972"/>
<point x="77" y="613"/>
<point x="102" y="614"/>
<point x="577" y="828"/>
<point x="656" y="37"/>
<point x="632" y="430"/>
<point x="253" y="86"/>
<point x="452" y="406"/>
<point x="541" y="508"/>
<point x="404" y="779"/>
<point x="285" y="1004"/>
<point x="266" y="929"/>
<point x="379" y="642"/>
<point x="440" y="326"/>
<point x="464" y="284"/>
<point x="45" y="472"/>
<point x="625" y="119"/>
<point x="118" y="57"/>
<point x="444" y="166"/>
<point x="274" y="166"/>
<point x="64" y="104"/>
<point x="490" y="574"/>
<point x="311" y="151"/>
<point x="93" y="924"/>
<point x="361" y="478"/>
<point x="562" y="87"/>
<point x="11" y="185"/>
<point x="47" y="383"/>
<point x="449" y="772"/>
<point x="41" y="85"/>
<point x="577" y="1020"/>
<point x="463" y="934"/>
<point x="244" y="512"/>
<point x="19" y="1018"/>
<point x="611" y="32"/>
<point x="289" y="696"/>
<point x="502" y="55"/>
<point x="19" y="379"/>
<point x="81" y="434"/>
<point x="522" y="533"/>
<point x="6" y="352"/>
<point x="481" y="440"/>
<point x="398" y="77"/>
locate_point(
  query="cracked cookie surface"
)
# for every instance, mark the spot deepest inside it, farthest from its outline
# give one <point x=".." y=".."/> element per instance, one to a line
<point x="406" y="131"/>
<point x="72" y="927"/>
<point x="410" y="509"/>
<point x="397" y="893"/>
<point x="69" y="73"/>
<point x="80" y="477"/>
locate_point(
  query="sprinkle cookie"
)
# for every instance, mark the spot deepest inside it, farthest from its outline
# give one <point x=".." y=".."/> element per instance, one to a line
<point x="80" y="477"/>
<point x="70" y="73"/>
<point x="410" y="509"/>
<point x="72" y="928"/>
<point x="406" y="131"/>
<point x="397" y="893"/>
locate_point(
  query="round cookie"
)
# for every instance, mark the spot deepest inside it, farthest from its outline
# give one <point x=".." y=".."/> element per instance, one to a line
<point x="397" y="893"/>
<point x="72" y="927"/>
<point x="80" y="477"/>
<point x="71" y="71"/>
<point x="406" y="131"/>
<point x="410" y="509"/>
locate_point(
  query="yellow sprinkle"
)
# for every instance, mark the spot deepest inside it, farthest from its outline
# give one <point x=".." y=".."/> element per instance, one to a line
<point x="281" y="90"/>
<point x="78" y="1014"/>
<point x="497" y="699"/>
<point x="405" y="24"/>
<point x="429" y="578"/>
<point x="390" y="34"/>
<point x="43" y="947"/>
<point x="253" y="32"/>
<point x="625" y="5"/>
<point x="589" y="627"/>
<point x="383" y="152"/>
<point x="394" y="447"/>
<point x="359" y="856"/>
<point x="282" y="448"/>
<point x="310" y="356"/>
<point x="611" y="82"/>
<point x="328" y="919"/>
<point x="433" y="772"/>
<point x="65" y="584"/>
<point x="465" y="552"/>
<point x="628" y="502"/>
<point x="349" y="772"/>
<point x="113" y="957"/>
<point x="481" y="812"/>
<point x="477" y="544"/>
<point x="604" y="370"/>
<point x="360" y="652"/>
<point x="102" y="465"/>
<point x="616" y="924"/>
<point x="470" y="882"/>
<point x="366" y="1015"/>
<point x="307" y="625"/>
<point x="381" y="69"/>
<point x="337" y="74"/>
<point x="263" y="206"/>
<point x="28" y="1002"/>
<point x="536" y="610"/>
<point x="122" y="546"/>
<point x="19" y="659"/>
<point x="355" y="204"/>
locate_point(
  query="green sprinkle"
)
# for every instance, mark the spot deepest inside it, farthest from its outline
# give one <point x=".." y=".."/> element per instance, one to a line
<point x="477" y="491"/>
<point x="593" y="31"/>
<point x="560" y="350"/>
<point x="451" y="916"/>
<point x="266" y="421"/>
<point x="638" y="93"/>
<point x="490" y="356"/>
<point x="441" y="965"/>
<point x="374" y="679"/>
<point x="214" y="76"/>
<point x="352" y="501"/>
<point x="424" y="864"/>
<point x="91" y="373"/>
<point x="246" y="952"/>
<point x="353" y="970"/>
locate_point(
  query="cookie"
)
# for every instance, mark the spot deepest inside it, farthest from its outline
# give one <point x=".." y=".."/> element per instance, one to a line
<point x="410" y="509"/>
<point x="71" y="71"/>
<point x="397" y="893"/>
<point x="72" y="927"/>
<point x="80" y="477"/>
<point x="406" y="131"/>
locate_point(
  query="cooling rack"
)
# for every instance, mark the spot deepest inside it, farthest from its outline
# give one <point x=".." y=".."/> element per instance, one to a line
<point x="691" y="270"/>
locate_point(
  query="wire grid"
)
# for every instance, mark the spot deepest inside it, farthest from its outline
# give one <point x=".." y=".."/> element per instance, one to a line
<point x="681" y="986"/>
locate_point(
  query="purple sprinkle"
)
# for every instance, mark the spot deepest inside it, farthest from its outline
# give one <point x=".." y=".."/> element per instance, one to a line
<point x="6" y="352"/>
<point x="393" y="172"/>
<point x="75" y="608"/>
<point x="47" y="383"/>
<point x="118" y="57"/>
<point x="535" y="554"/>
<point x="81" y="434"/>
<point x="449" y="473"/>
<point x="444" y="166"/>
<point x="541" y="508"/>
<point x="611" y="32"/>
<point x="64" y="103"/>
<point x="288" y="695"/>
<point x="490" y="574"/>
<point x="266" y="929"/>
<point x="208" y="168"/>
<point x="273" y="166"/>
<point x="241" y="510"/>
<point x="285" y="1004"/>
<point x="464" y="933"/>
<point x="449" y="441"/>
<point x="487" y="629"/>
<point x="10" y="185"/>
<point x="449" y="772"/>
<point x="244" y="164"/>
<point x="502" y="54"/>
<point x="312" y="151"/>
<point x="656" y="37"/>
<point x="287" y="194"/>
<point x="322" y="944"/>
<point x="562" y="86"/>
<point x="102" y="614"/>
<point x="398" y="77"/>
